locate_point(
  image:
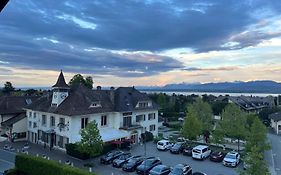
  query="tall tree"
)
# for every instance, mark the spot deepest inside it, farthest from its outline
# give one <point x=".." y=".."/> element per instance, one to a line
<point x="233" y="123"/>
<point x="79" y="79"/>
<point x="257" y="136"/>
<point x="91" y="141"/>
<point x="8" y="88"/>
<point x="191" y="127"/>
<point x="255" y="164"/>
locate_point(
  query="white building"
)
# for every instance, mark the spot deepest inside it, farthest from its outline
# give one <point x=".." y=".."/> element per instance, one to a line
<point x="57" y="119"/>
<point x="275" y="122"/>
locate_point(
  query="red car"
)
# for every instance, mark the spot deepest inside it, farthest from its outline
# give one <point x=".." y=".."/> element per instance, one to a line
<point x="217" y="156"/>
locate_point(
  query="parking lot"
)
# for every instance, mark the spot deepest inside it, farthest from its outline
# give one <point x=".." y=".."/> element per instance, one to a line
<point x="206" y="166"/>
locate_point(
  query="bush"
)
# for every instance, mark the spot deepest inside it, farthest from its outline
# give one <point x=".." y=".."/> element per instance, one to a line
<point x="13" y="172"/>
<point x="35" y="165"/>
<point x="147" y="136"/>
<point x="72" y="150"/>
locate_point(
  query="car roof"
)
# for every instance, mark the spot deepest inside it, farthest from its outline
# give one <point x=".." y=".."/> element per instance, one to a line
<point x="233" y="152"/>
<point x="201" y="147"/>
<point x="181" y="165"/>
<point x="164" y="141"/>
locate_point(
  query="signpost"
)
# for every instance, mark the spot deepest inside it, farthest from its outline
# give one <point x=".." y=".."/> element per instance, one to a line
<point x="3" y="3"/>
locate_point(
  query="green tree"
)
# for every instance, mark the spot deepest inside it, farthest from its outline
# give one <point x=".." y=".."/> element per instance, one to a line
<point x="233" y="123"/>
<point x="203" y="111"/>
<point x="191" y="127"/>
<point x="257" y="136"/>
<point x="218" y="135"/>
<point x="91" y="141"/>
<point x="255" y="164"/>
<point x="79" y="79"/>
<point x="8" y="88"/>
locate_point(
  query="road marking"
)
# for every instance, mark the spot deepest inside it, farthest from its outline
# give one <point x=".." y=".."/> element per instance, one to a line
<point x="11" y="163"/>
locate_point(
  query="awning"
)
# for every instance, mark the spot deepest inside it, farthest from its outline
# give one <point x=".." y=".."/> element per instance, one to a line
<point x="117" y="142"/>
<point x="110" y="134"/>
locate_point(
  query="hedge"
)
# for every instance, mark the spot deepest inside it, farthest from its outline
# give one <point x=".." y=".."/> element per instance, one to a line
<point x="72" y="150"/>
<point x="32" y="165"/>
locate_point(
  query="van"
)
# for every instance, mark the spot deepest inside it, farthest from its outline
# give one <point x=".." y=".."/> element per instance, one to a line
<point x="164" y="145"/>
<point x="201" y="152"/>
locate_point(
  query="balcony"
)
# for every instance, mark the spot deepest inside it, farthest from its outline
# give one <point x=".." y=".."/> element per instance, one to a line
<point x="130" y="126"/>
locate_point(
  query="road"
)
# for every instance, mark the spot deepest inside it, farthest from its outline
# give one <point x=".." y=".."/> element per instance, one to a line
<point x="7" y="160"/>
<point x="273" y="156"/>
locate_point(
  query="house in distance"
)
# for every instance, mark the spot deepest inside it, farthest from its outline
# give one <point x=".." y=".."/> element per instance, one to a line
<point x="57" y="118"/>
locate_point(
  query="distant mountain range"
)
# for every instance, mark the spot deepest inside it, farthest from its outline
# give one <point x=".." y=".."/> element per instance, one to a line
<point x="264" y="86"/>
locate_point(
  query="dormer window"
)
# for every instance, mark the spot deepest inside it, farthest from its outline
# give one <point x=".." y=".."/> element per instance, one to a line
<point x="28" y="101"/>
<point x="144" y="104"/>
<point x="95" y="105"/>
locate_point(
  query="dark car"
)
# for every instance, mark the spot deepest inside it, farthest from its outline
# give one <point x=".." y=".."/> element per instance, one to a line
<point x="147" y="165"/>
<point x="199" y="173"/>
<point x="187" y="151"/>
<point x="160" y="170"/>
<point x="132" y="163"/>
<point x="177" y="148"/>
<point x="181" y="169"/>
<point x="118" y="162"/>
<point x="217" y="156"/>
<point x="109" y="157"/>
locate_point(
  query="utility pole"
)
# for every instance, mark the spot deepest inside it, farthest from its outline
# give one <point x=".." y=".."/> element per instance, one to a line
<point x="3" y="3"/>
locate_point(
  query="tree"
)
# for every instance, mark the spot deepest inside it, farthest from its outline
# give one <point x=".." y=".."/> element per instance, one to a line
<point x="192" y="127"/>
<point x="79" y="79"/>
<point x="203" y="112"/>
<point x="91" y="141"/>
<point x="218" y="135"/>
<point x="254" y="163"/>
<point x="8" y="88"/>
<point x="233" y="123"/>
<point x="257" y="136"/>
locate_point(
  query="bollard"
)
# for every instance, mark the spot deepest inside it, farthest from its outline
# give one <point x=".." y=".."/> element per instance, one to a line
<point x="18" y="150"/>
<point x="72" y="164"/>
<point x="48" y="158"/>
<point x="90" y="169"/>
<point x="37" y="155"/>
<point x="59" y="161"/>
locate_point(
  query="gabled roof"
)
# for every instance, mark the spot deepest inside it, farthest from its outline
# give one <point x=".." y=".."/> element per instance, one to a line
<point x="60" y="82"/>
<point x="14" y="104"/>
<point x="13" y="120"/>
<point x="80" y="99"/>
<point x="275" y="116"/>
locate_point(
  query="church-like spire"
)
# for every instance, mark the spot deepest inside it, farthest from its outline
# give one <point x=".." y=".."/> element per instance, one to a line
<point x="61" y="82"/>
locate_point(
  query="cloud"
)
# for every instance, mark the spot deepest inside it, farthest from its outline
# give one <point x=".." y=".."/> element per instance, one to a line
<point x="193" y="69"/>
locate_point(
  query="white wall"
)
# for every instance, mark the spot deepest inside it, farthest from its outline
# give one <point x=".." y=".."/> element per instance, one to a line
<point x="20" y="126"/>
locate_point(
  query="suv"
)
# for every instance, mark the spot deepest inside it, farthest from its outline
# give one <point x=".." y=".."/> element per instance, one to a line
<point x="164" y="145"/>
<point x="181" y="169"/>
<point x="148" y="164"/>
<point x="231" y="159"/>
<point x="201" y="152"/>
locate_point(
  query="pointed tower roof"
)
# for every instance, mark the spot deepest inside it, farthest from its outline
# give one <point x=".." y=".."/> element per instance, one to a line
<point x="60" y="82"/>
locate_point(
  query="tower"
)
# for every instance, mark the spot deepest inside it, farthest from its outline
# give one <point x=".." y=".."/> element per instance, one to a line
<point x="60" y="91"/>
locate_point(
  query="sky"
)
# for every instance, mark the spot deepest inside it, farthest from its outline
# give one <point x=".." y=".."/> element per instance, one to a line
<point x="140" y="42"/>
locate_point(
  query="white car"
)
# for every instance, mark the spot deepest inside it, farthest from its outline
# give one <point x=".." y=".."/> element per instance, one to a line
<point x="201" y="152"/>
<point x="164" y="145"/>
<point x="231" y="159"/>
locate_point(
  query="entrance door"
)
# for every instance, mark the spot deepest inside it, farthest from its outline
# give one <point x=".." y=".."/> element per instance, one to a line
<point x="134" y="138"/>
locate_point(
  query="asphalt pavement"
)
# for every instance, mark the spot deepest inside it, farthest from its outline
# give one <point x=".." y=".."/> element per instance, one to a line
<point x="273" y="156"/>
<point x="7" y="160"/>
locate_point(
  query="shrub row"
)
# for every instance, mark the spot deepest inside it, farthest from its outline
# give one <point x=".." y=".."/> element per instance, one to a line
<point x="31" y="165"/>
<point x="72" y="150"/>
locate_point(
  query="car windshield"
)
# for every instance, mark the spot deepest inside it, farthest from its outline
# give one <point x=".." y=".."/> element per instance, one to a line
<point x="147" y="162"/>
<point x="157" y="169"/>
<point x="109" y="154"/>
<point x="177" y="170"/>
<point x="160" y="143"/>
<point x="196" y="151"/>
<point x="177" y="145"/>
<point x="230" y="156"/>
<point x="132" y="161"/>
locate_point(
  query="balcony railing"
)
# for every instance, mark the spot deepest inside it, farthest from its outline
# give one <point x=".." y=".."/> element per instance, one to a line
<point x="130" y="126"/>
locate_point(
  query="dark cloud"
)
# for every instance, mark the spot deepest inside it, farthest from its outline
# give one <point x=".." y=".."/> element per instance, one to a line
<point x="193" y="69"/>
<point x="137" y="25"/>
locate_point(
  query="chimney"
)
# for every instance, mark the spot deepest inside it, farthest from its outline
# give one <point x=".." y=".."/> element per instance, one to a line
<point x="111" y="94"/>
<point x="99" y="88"/>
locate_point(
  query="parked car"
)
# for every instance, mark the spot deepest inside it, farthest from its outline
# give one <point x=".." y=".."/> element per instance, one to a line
<point x="181" y="169"/>
<point x="118" y="162"/>
<point x="187" y="151"/>
<point x="160" y="170"/>
<point x="217" y="156"/>
<point x="199" y="173"/>
<point x="231" y="159"/>
<point x="109" y="157"/>
<point x="164" y="145"/>
<point x="147" y="165"/>
<point x="177" y="148"/>
<point x="132" y="164"/>
<point x="201" y="152"/>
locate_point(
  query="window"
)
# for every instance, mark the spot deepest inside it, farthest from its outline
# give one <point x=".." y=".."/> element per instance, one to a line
<point x="34" y="115"/>
<point x="127" y="121"/>
<point x="53" y="121"/>
<point x="140" y="118"/>
<point x="30" y="124"/>
<point x="84" y="123"/>
<point x="43" y="120"/>
<point x="103" y="120"/>
<point x="151" y="116"/>
<point x="34" y="125"/>
<point x="30" y="114"/>
<point x="152" y="128"/>
<point x="62" y="120"/>
<point x="143" y="104"/>
<point x="95" y="105"/>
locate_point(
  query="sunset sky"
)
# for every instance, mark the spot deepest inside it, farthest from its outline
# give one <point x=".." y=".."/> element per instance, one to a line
<point x="140" y="42"/>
